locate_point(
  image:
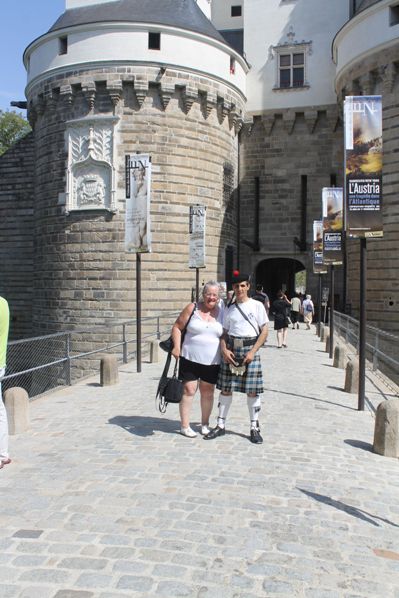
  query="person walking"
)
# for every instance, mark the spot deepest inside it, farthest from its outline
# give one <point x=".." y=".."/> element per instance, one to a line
<point x="199" y="354"/>
<point x="245" y="330"/>
<point x="261" y="296"/>
<point x="4" y="326"/>
<point x="308" y="311"/>
<point x="295" y="311"/>
<point x="280" y="309"/>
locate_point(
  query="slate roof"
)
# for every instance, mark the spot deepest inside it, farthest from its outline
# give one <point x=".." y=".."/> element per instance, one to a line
<point x="184" y="14"/>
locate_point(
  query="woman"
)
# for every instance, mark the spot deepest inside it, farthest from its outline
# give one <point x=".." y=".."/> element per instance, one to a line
<point x="280" y="310"/>
<point x="200" y="354"/>
<point x="308" y="311"/>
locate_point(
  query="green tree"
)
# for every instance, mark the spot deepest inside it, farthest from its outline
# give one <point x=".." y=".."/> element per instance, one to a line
<point x="12" y="127"/>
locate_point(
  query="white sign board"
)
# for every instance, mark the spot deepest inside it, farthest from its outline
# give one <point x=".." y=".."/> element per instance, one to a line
<point x="197" y="237"/>
<point x="138" y="204"/>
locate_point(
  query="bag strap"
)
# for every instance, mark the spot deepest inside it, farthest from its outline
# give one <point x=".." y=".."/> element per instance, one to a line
<point x="244" y="315"/>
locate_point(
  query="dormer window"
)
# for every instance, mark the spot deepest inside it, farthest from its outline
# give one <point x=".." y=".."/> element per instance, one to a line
<point x="63" y="45"/>
<point x="154" y="41"/>
<point x="291" y="65"/>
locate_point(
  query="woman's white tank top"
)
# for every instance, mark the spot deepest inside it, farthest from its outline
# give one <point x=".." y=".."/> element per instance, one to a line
<point x="202" y="340"/>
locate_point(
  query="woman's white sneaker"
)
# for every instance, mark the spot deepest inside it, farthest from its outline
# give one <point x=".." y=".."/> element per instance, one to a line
<point x="189" y="432"/>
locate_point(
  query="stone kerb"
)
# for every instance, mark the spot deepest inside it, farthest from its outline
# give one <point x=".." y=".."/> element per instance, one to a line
<point x="386" y="430"/>
<point x="352" y="376"/>
<point x="340" y="356"/>
<point x="16" y="401"/>
<point x="109" y="374"/>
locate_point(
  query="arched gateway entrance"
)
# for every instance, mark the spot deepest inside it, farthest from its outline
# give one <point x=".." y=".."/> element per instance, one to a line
<point x="278" y="273"/>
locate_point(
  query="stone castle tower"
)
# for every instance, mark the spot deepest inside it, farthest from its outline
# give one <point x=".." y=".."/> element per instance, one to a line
<point x="112" y="79"/>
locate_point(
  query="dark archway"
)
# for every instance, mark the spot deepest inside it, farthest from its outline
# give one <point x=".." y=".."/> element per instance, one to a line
<point x="278" y="273"/>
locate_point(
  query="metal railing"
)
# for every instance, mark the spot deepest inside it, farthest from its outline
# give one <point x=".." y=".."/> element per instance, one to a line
<point x="42" y="363"/>
<point x="382" y="348"/>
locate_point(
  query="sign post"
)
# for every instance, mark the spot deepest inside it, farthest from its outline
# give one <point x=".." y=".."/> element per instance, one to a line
<point x="138" y="224"/>
<point x="197" y="242"/>
<point x="363" y="201"/>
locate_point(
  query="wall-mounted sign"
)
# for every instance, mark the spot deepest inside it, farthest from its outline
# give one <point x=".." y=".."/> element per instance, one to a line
<point x="138" y="204"/>
<point x="332" y="211"/>
<point x="363" y="166"/>
<point x="197" y="236"/>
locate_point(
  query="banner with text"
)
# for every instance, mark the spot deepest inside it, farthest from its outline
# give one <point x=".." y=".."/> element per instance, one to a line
<point x="332" y="212"/>
<point x="197" y="237"/>
<point x="318" y="263"/>
<point x="363" y="166"/>
<point x="138" y="204"/>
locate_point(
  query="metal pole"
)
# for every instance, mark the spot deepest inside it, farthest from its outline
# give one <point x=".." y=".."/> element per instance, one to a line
<point x="196" y="284"/>
<point x="124" y="343"/>
<point x="362" y="323"/>
<point x="138" y="311"/>
<point x="319" y="307"/>
<point x="332" y="310"/>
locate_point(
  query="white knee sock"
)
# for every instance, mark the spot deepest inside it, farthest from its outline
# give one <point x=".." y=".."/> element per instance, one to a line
<point x="254" y="406"/>
<point x="224" y="406"/>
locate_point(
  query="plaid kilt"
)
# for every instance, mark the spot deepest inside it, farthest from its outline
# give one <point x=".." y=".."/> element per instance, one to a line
<point x="250" y="382"/>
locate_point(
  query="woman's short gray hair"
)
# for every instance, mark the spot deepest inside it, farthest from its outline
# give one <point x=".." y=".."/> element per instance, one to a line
<point x="208" y="285"/>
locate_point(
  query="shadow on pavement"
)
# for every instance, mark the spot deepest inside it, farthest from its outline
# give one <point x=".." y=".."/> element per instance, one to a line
<point x="341" y="506"/>
<point x="292" y="394"/>
<point x="365" y="446"/>
<point x="145" y="426"/>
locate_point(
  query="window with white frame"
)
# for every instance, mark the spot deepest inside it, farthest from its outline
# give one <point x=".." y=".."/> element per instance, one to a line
<point x="291" y="65"/>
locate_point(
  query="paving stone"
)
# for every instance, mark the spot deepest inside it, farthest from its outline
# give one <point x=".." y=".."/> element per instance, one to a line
<point x="133" y="582"/>
<point x="83" y="563"/>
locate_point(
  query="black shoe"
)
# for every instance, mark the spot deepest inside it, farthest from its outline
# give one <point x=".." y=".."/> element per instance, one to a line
<point x="215" y="433"/>
<point x="256" y="438"/>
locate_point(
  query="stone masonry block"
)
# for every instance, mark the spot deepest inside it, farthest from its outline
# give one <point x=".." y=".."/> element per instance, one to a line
<point x="154" y="351"/>
<point x="16" y="401"/>
<point x="386" y="430"/>
<point x="109" y="370"/>
<point x="340" y="357"/>
<point x="352" y="376"/>
<point x="327" y="340"/>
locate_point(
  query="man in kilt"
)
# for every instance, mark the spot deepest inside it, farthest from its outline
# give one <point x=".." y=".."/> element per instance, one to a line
<point x="245" y="325"/>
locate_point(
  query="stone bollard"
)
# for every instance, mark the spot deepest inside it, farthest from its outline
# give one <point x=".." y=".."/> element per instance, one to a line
<point x="154" y="351"/>
<point x="327" y="339"/>
<point x="340" y="357"/>
<point x="352" y="377"/>
<point x="109" y="370"/>
<point x="386" y="429"/>
<point x="16" y="402"/>
<point x="323" y="330"/>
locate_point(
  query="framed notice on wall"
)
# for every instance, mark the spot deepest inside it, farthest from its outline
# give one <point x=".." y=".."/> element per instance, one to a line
<point x="363" y="166"/>
<point x="197" y="236"/>
<point x="138" y="204"/>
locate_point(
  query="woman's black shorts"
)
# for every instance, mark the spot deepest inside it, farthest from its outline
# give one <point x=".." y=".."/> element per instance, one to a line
<point x="190" y="370"/>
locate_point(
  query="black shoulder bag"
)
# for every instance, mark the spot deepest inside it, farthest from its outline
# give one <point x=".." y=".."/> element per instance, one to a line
<point x="167" y="345"/>
<point x="170" y="390"/>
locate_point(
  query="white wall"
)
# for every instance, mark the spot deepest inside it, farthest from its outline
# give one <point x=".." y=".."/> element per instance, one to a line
<point x="266" y="24"/>
<point x="221" y="14"/>
<point x="126" y="43"/>
<point x="363" y="35"/>
<point x="205" y="6"/>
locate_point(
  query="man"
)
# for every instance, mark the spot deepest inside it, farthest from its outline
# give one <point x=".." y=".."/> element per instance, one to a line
<point x="245" y="331"/>
<point x="308" y="311"/>
<point x="295" y="311"/>
<point x="261" y="296"/>
<point x="4" y="324"/>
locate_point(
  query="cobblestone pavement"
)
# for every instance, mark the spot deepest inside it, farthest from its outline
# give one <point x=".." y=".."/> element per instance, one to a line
<point x="104" y="498"/>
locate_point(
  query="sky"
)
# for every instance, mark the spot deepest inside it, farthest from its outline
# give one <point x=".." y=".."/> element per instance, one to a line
<point x="21" y="22"/>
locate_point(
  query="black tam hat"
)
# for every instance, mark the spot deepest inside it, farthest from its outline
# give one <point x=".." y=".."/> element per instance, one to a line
<point x="239" y="277"/>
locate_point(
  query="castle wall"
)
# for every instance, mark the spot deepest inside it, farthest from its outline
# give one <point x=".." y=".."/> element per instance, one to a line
<point x="16" y="233"/>
<point x="377" y="74"/>
<point x="189" y="125"/>
<point x="280" y="148"/>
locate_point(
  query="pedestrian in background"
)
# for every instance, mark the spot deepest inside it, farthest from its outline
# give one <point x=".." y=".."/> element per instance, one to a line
<point x="308" y="311"/>
<point x="4" y="326"/>
<point x="280" y="309"/>
<point x="261" y="296"/>
<point x="295" y="311"/>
